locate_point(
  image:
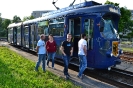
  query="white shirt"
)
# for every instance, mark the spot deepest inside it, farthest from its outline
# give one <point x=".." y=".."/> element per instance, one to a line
<point x="42" y="48"/>
<point x="81" y="44"/>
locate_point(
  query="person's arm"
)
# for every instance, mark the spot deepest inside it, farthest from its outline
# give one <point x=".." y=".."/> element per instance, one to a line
<point x="72" y="50"/>
<point x="62" y="49"/>
<point x="37" y="47"/>
<point x="55" y="46"/>
<point x="85" y="48"/>
<point x="47" y="45"/>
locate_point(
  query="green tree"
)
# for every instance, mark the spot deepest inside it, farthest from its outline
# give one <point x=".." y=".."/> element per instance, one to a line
<point x="5" y="23"/>
<point x="31" y="17"/>
<point x="108" y="2"/>
<point x="25" y="18"/>
<point x="28" y="18"/>
<point x="16" y="19"/>
<point x="0" y="22"/>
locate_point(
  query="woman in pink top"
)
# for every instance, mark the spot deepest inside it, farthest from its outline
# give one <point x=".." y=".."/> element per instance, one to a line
<point x="51" y="49"/>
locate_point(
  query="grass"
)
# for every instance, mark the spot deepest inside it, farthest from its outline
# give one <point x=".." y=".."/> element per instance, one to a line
<point x="128" y="49"/>
<point x="126" y="42"/>
<point x="18" y="72"/>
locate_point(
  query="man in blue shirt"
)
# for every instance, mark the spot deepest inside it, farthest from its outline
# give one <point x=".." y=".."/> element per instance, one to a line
<point x="41" y="50"/>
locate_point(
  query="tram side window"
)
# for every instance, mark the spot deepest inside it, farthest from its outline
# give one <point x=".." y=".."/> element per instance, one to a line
<point x="43" y="28"/>
<point x="18" y="30"/>
<point x="56" y="27"/>
<point x="89" y="26"/>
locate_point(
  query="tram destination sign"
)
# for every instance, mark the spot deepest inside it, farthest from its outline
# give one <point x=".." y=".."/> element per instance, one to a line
<point x="113" y="10"/>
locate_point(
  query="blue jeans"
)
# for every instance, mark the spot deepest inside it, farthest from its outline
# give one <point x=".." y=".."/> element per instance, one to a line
<point x="51" y="55"/>
<point x="66" y="63"/>
<point x="41" y="57"/>
<point x="83" y="64"/>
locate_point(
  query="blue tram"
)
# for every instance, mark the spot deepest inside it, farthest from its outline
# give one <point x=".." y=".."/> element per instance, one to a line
<point x="99" y="22"/>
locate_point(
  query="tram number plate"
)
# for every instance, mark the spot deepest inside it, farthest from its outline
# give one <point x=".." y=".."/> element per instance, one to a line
<point x="115" y="48"/>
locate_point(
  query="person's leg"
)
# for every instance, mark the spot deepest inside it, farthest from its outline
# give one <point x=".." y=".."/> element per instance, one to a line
<point x="80" y="61"/>
<point x="84" y="65"/>
<point x="53" y="55"/>
<point x="40" y="56"/>
<point x="65" y="64"/>
<point x="43" y="62"/>
<point x="48" y="59"/>
<point x="68" y="60"/>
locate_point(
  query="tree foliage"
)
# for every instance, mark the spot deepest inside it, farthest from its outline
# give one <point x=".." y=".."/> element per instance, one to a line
<point x="0" y="22"/>
<point x="28" y="18"/>
<point x="108" y="2"/>
<point x="5" y="23"/>
<point x="3" y="26"/>
<point x="16" y="19"/>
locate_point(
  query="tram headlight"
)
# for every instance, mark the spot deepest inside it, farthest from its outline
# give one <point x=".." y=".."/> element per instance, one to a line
<point x="120" y="51"/>
<point x="109" y="54"/>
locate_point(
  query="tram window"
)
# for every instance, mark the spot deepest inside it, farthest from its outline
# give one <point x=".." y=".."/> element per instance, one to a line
<point x="26" y="31"/>
<point x="40" y="31"/>
<point x="43" y="28"/>
<point x="89" y="27"/>
<point x="56" y="29"/>
<point x="57" y="20"/>
<point x="18" y="30"/>
<point x="101" y="25"/>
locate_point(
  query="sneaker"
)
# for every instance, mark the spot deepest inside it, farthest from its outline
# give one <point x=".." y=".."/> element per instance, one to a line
<point x="67" y="77"/>
<point x="48" y="66"/>
<point x="44" y="71"/>
<point x="80" y="77"/>
<point x="53" y="68"/>
<point x="36" y="70"/>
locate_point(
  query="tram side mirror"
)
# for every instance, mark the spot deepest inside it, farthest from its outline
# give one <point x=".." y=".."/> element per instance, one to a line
<point x="101" y="26"/>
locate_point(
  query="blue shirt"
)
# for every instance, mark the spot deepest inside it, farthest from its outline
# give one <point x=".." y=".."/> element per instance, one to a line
<point x="42" y="48"/>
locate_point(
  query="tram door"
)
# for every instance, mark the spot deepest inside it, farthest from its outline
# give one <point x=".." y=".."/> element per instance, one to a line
<point x="32" y="36"/>
<point x="15" y="35"/>
<point x="88" y="26"/>
<point x="75" y="30"/>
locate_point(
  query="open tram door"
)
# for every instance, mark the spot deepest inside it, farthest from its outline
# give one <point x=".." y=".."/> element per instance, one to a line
<point x="14" y="36"/>
<point x="88" y="27"/>
<point x="75" y="31"/>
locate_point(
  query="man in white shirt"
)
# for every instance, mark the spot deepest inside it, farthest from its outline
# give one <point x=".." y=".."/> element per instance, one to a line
<point x="41" y="51"/>
<point x="82" y="53"/>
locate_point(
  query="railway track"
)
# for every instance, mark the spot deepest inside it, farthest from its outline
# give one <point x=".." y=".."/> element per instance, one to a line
<point x="127" y="56"/>
<point x="116" y="77"/>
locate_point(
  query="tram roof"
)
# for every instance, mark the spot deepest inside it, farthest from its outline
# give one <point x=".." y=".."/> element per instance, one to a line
<point x="86" y="10"/>
<point x="32" y="21"/>
<point x="88" y="7"/>
<point x="77" y="6"/>
<point x="14" y="25"/>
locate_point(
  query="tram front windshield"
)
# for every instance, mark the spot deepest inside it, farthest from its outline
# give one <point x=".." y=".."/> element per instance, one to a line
<point x="109" y="30"/>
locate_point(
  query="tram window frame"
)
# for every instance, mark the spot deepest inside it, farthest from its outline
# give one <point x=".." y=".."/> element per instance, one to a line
<point x="58" y="28"/>
<point x="18" y="29"/>
<point x="44" y="28"/>
<point x="26" y="29"/>
<point x="91" y="25"/>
